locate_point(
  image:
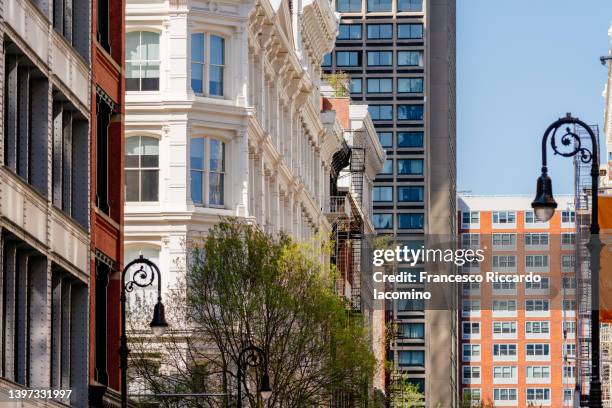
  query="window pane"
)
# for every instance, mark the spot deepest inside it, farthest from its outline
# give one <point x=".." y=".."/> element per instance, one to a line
<point x="410" y="112"/>
<point x="386" y="139"/>
<point x="387" y="167"/>
<point x="410" y="221"/>
<point x="216" y="81"/>
<point x="410" y="31"/>
<point x="150" y="76"/>
<point x="132" y="40"/>
<point x="197" y="47"/>
<point x="356" y="85"/>
<point x="410" y="139"/>
<point x="410" y="166"/>
<point x="410" y="5"/>
<point x="132" y="76"/>
<point x="410" y="85"/>
<point x="217" y="156"/>
<point x="327" y="60"/>
<point x="380" y="31"/>
<point x="217" y="50"/>
<point x="410" y="193"/>
<point x="410" y="58"/>
<point x="132" y="151"/>
<point x="197" y="77"/>
<point x="196" y="187"/>
<point x="149" y="185"/>
<point x="150" y="152"/>
<point x="150" y="46"/>
<point x="131" y="185"/>
<point x="197" y="153"/>
<point x="215" y="190"/>
<point x="379" y="5"/>
<point x="382" y="221"/>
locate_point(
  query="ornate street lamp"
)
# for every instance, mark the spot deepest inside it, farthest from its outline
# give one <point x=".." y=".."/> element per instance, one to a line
<point x="253" y="356"/>
<point x="142" y="277"/>
<point x="544" y="207"/>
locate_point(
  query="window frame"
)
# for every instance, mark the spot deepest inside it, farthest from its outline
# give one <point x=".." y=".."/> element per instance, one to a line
<point x="140" y="169"/>
<point x="140" y="62"/>
<point x="206" y="172"/>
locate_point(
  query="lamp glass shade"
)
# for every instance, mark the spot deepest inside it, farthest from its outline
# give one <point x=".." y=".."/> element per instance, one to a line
<point x="544" y="203"/>
<point x="264" y="389"/>
<point x="544" y="214"/>
<point x="159" y="324"/>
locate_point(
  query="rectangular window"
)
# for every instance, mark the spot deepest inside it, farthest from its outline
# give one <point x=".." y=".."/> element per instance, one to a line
<point x="410" y="58"/>
<point x="568" y="217"/>
<point x="410" y="139"/>
<point x="142" y="61"/>
<point x="382" y="194"/>
<point x="380" y="31"/>
<point x="543" y="284"/>
<point x="536" y="261"/>
<point x="504" y="395"/>
<point x="538" y="372"/>
<point x="207" y="64"/>
<point x="568" y="238"/>
<point x="411" y="358"/>
<point x="142" y="168"/>
<point x="504" y="327"/>
<point x="471" y="329"/>
<point x="569" y="350"/>
<point x="472" y="396"/>
<point x="504" y="286"/>
<point x="382" y="221"/>
<point x="410" y="166"/>
<point x="569" y="283"/>
<point x="470" y="240"/>
<point x="379" y="5"/>
<point x="504" y="350"/>
<point x="536" y="305"/>
<point x="356" y="85"/>
<point x="410" y="85"/>
<point x="410" y="221"/>
<point x="569" y="305"/>
<point x="410" y="5"/>
<point x="385" y="139"/>
<point x="470" y="217"/>
<point x="471" y="351"/>
<point x="348" y="58"/>
<point x="410" y="305"/>
<point x="569" y="327"/>
<point x="410" y="193"/>
<point x="348" y="6"/>
<point x="504" y="239"/>
<point x="504" y="305"/>
<point x="537" y="349"/>
<point x="504" y="217"/>
<point x="568" y="262"/>
<point x="380" y="58"/>
<point x="411" y="331"/>
<point x="471" y="372"/>
<point x="409" y="112"/>
<point x="538" y="395"/>
<point x="207" y="171"/>
<point x="505" y="372"/>
<point x="387" y="167"/>
<point x="380" y="85"/>
<point x="504" y="261"/>
<point x="536" y="239"/>
<point x="409" y="31"/>
<point x="469" y="306"/>
<point x="537" y="327"/>
<point x="349" y="32"/>
<point x="381" y="112"/>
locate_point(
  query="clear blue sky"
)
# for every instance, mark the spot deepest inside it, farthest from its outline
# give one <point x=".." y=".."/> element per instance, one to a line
<point x="522" y="64"/>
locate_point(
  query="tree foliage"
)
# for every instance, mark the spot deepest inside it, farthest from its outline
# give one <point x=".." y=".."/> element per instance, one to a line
<point x="243" y="287"/>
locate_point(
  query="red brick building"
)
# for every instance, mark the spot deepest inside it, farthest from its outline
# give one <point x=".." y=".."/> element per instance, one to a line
<point x="107" y="130"/>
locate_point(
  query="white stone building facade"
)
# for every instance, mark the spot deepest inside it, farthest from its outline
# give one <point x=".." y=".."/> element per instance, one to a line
<point x="223" y="119"/>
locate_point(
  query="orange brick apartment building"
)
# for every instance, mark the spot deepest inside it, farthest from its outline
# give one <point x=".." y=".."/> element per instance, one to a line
<point x="517" y="341"/>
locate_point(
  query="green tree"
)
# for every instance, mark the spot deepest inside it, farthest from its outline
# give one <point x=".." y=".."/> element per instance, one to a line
<point x="245" y="287"/>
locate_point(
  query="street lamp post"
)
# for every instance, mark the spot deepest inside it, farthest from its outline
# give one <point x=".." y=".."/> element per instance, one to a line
<point x="253" y="356"/>
<point x="142" y="277"/>
<point x="544" y="207"/>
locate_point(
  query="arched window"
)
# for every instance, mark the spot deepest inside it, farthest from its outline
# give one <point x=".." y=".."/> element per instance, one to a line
<point x="141" y="168"/>
<point x="207" y="64"/>
<point x="142" y="61"/>
<point x="207" y="171"/>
